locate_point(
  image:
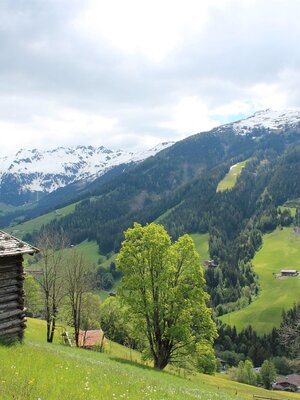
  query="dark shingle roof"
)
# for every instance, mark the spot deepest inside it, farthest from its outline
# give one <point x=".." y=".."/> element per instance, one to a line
<point x="293" y="379"/>
<point x="11" y="246"/>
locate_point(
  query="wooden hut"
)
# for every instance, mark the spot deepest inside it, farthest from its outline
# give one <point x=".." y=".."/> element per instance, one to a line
<point x="289" y="272"/>
<point x="12" y="313"/>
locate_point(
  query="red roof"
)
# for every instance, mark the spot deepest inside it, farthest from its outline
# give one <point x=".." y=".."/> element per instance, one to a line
<point x="90" y="338"/>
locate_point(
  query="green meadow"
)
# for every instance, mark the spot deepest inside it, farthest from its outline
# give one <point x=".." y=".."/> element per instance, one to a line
<point x="229" y="181"/>
<point x="201" y="244"/>
<point x="36" y="370"/>
<point x="8" y="208"/>
<point x="280" y="250"/>
<point x="21" y="229"/>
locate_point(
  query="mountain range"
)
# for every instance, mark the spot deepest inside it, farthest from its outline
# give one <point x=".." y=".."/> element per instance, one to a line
<point x="178" y="186"/>
<point x="30" y="174"/>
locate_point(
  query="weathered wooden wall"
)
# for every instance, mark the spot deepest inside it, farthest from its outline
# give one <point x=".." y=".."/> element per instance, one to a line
<point x="12" y="314"/>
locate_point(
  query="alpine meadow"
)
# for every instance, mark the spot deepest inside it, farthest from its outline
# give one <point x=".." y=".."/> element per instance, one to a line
<point x="150" y="200"/>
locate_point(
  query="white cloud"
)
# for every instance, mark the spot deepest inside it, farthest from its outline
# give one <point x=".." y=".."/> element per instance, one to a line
<point x="269" y="96"/>
<point x="62" y="127"/>
<point x="132" y="74"/>
<point x="153" y="28"/>
<point x="188" y="116"/>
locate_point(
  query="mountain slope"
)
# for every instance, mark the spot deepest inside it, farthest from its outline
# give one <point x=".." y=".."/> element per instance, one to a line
<point x="30" y="173"/>
<point x="269" y="120"/>
<point x="178" y="188"/>
<point x="280" y="250"/>
<point x="39" y="370"/>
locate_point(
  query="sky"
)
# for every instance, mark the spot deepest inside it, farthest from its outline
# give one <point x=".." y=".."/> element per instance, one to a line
<point x="134" y="73"/>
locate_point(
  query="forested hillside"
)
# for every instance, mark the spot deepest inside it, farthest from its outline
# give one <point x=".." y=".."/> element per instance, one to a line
<point x="179" y="188"/>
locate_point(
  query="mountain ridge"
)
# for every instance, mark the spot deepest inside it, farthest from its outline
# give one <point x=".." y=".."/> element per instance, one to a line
<point x="35" y="171"/>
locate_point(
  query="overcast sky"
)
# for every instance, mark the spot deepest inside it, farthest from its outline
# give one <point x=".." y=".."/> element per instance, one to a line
<point x="133" y="73"/>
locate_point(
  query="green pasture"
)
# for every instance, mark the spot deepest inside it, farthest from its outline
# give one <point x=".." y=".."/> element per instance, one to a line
<point x="280" y="250"/>
<point x="20" y="230"/>
<point x="229" y="181"/>
<point x="201" y="244"/>
<point x="89" y="251"/>
<point x="36" y="370"/>
<point x="8" y="208"/>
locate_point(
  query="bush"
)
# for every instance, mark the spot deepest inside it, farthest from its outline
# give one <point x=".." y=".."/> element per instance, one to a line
<point x="267" y="374"/>
<point x="244" y="373"/>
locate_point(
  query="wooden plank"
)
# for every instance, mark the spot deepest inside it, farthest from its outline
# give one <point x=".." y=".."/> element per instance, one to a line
<point x="11" y="282"/>
<point x="8" y="268"/>
<point x="11" y="289"/>
<point x="11" y="324"/>
<point x="9" y="314"/>
<point x="10" y="275"/>
<point x="10" y="297"/>
<point x="11" y="261"/>
<point x="11" y="331"/>
<point x="9" y="305"/>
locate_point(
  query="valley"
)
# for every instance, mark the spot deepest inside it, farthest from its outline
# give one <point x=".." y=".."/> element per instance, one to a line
<point x="280" y="250"/>
<point x="234" y="191"/>
<point x="150" y="200"/>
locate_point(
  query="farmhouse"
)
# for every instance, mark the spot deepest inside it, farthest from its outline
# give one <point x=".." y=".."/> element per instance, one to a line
<point x="12" y="317"/>
<point x="289" y="272"/>
<point x="210" y="264"/>
<point x="289" y="383"/>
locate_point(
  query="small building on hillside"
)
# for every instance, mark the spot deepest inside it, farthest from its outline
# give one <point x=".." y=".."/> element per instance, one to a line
<point x="289" y="272"/>
<point x="210" y="264"/>
<point x="91" y="339"/>
<point x="12" y="313"/>
<point x="290" y="383"/>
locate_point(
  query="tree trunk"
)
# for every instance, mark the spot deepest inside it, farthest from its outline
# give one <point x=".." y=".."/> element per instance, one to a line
<point x="161" y="362"/>
<point x="52" y="330"/>
<point x="162" y="357"/>
<point x="48" y="331"/>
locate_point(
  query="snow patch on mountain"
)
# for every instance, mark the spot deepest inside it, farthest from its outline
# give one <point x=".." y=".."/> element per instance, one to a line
<point x="268" y="119"/>
<point x="46" y="171"/>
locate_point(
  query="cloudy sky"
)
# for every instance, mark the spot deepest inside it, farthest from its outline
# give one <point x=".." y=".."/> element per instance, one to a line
<point x="133" y="73"/>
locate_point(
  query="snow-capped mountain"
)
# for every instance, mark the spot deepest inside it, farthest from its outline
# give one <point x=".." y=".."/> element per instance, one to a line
<point x="270" y="120"/>
<point x="31" y="171"/>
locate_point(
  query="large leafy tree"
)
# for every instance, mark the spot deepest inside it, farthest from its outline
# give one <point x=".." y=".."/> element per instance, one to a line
<point x="163" y="289"/>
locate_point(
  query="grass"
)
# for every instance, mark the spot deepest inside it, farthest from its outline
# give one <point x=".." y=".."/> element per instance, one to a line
<point x="20" y="230"/>
<point x="280" y="250"/>
<point x="89" y="250"/>
<point x="229" y="181"/>
<point x="8" y="208"/>
<point x="38" y="370"/>
<point x="201" y="244"/>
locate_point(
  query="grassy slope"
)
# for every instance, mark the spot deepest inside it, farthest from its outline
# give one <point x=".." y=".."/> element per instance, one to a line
<point x="37" y="370"/>
<point x="201" y="243"/>
<point x="230" y="178"/>
<point x="7" y="208"/>
<point x="36" y="223"/>
<point x="281" y="250"/>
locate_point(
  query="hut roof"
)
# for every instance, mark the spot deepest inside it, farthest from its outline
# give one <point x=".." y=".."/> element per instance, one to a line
<point x="288" y="271"/>
<point x="90" y="338"/>
<point x="11" y="246"/>
<point x="293" y="379"/>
